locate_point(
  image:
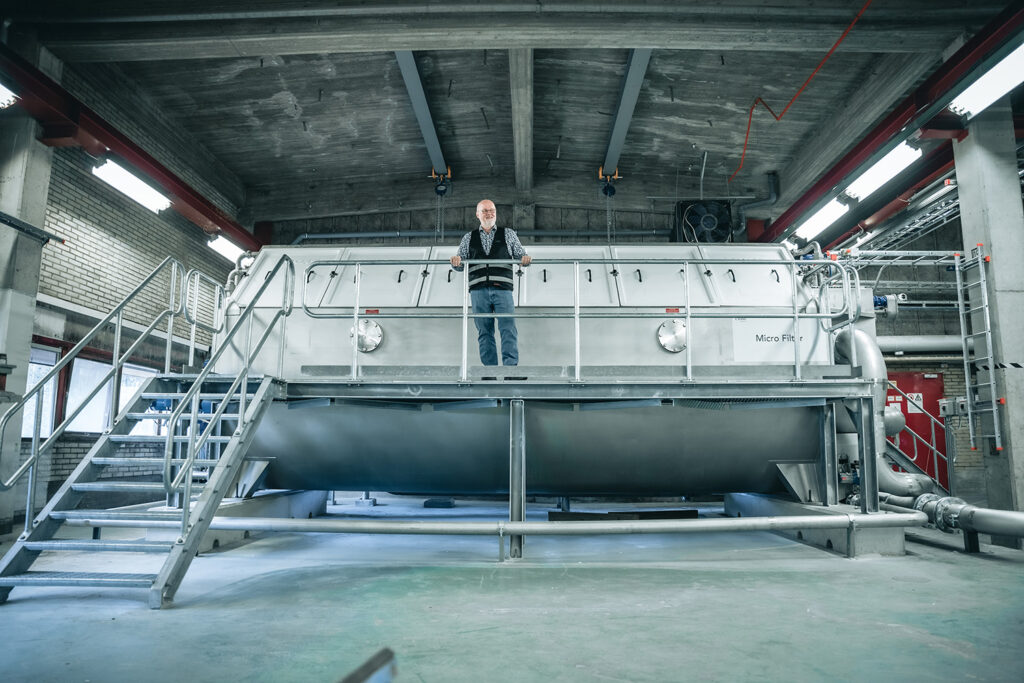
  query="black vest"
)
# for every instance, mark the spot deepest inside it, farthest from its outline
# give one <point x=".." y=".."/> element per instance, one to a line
<point x="481" y="275"/>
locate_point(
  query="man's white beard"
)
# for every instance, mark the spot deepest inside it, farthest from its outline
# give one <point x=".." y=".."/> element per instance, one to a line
<point x="488" y="222"/>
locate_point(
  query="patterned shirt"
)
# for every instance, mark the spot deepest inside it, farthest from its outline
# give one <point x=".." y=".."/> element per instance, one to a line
<point x="515" y="247"/>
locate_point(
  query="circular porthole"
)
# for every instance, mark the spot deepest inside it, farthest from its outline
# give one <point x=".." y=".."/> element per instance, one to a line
<point x="370" y="335"/>
<point x="672" y="335"/>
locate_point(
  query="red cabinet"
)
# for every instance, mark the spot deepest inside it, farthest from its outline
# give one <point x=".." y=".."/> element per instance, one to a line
<point x="926" y="388"/>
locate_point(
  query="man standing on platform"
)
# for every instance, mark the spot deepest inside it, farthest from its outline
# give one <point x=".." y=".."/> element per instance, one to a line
<point x="490" y="285"/>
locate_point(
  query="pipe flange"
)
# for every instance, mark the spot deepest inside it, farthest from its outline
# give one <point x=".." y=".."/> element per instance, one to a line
<point x="947" y="513"/>
<point x="924" y="499"/>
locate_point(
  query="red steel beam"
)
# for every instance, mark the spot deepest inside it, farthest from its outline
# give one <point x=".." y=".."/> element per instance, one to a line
<point x="68" y="122"/>
<point x="995" y="33"/>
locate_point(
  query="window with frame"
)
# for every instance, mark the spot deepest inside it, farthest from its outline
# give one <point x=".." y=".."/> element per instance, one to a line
<point x="85" y="375"/>
<point x="41" y="361"/>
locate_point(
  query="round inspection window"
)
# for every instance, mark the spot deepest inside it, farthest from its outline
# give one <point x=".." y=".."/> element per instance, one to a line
<point x="672" y="335"/>
<point x="370" y="336"/>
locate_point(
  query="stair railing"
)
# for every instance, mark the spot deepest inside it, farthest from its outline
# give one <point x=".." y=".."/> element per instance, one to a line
<point x="193" y="280"/>
<point x="930" y="445"/>
<point x="190" y="401"/>
<point x="175" y="302"/>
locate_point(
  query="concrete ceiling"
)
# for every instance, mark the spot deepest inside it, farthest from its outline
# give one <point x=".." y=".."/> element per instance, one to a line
<point x="304" y="101"/>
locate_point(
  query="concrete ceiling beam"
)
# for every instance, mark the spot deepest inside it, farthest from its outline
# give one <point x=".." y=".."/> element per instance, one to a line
<point x="754" y="30"/>
<point x="414" y="86"/>
<point x="632" y="81"/>
<point x="520" y="76"/>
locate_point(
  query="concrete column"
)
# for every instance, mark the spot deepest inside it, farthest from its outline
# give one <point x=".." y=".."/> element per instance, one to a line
<point x="991" y="213"/>
<point x="25" y="167"/>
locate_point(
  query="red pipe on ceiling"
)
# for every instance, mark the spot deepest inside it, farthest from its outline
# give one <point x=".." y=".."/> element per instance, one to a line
<point x="67" y="122"/>
<point x="994" y="34"/>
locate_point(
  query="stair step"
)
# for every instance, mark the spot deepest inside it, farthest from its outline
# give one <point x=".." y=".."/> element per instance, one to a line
<point x="98" y="579"/>
<point x="129" y="438"/>
<point x="180" y="395"/>
<point x="150" y="461"/>
<point x="101" y="546"/>
<point x="124" y="487"/>
<point x="165" y="415"/>
<point x="100" y="515"/>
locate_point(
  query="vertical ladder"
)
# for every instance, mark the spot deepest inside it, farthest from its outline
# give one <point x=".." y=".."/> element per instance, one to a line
<point x="976" y="325"/>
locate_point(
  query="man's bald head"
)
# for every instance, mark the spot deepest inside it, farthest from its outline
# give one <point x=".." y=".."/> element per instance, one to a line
<point x="487" y="214"/>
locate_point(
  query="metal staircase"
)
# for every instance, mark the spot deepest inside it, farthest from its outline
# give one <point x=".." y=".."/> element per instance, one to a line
<point x="89" y="484"/>
<point x="207" y="422"/>
<point x="919" y="454"/>
<point x="976" y="326"/>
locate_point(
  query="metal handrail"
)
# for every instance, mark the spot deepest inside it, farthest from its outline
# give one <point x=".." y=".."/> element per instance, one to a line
<point x="846" y="275"/>
<point x="198" y="438"/>
<point x="117" y="363"/>
<point x="934" y="423"/>
<point x="192" y="280"/>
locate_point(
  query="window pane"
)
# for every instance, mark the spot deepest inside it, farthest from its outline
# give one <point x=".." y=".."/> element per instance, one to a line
<point x="133" y="377"/>
<point x="85" y="375"/>
<point x="41" y="361"/>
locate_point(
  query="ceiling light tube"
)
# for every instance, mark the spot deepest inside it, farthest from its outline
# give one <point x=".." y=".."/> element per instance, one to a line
<point x="130" y="185"/>
<point x="993" y="84"/>
<point x="225" y="248"/>
<point x="7" y="98"/>
<point x="883" y="170"/>
<point x="822" y="218"/>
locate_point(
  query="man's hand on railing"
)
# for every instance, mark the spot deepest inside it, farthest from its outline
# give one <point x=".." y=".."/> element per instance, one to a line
<point x="456" y="261"/>
<point x="526" y="260"/>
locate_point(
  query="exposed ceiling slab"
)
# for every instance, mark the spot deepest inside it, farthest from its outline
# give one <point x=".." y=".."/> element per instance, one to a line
<point x="305" y="103"/>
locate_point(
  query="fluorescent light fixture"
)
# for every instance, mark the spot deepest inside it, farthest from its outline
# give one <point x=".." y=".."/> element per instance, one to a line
<point x="225" y="248"/>
<point x="124" y="181"/>
<point x="824" y="217"/>
<point x="883" y="170"/>
<point x="7" y="97"/>
<point x="996" y="82"/>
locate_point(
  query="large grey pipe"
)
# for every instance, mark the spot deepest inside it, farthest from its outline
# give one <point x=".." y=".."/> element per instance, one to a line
<point x="948" y="513"/>
<point x="773" y="196"/>
<point x="869" y="359"/>
<point x="924" y="343"/>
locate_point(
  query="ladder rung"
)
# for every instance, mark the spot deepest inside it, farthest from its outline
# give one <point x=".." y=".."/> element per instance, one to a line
<point x="99" y="579"/>
<point x="100" y="546"/>
<point x="129" y="438"/>
<point x="124" y="487"/>
<point x="978" y="334"/>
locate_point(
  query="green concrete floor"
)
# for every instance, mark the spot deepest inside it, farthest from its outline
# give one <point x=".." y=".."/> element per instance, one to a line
<point x="744" y="606"/>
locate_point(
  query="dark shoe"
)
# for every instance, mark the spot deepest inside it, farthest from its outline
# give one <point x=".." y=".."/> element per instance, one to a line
<point x="489" y="378"/>
<point x="515" y="379"/>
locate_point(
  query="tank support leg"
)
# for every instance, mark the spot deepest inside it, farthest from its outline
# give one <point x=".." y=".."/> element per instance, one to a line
<point x="829" y="470"/>
<point x="516" y="473"/>
<point x="868" y="447"/>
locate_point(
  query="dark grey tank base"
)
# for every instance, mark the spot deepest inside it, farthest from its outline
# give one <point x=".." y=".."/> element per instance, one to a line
<point x="639" y="451"/>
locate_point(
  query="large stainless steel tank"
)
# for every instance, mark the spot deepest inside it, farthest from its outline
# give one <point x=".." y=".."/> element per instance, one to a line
<point x="745" y="396"/>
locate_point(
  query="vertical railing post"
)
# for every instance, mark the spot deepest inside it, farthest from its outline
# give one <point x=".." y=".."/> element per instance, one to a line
<point x="796" y="321"/>
<point x="170" y="319"/>
<point x="464" y="373"/>
<point x="517" y="473"/>
<point x="689" y="331"/>
<point x="195" y="321"/>
<point x="576" y="313"/>
<point x="30" y="494"/>
<point x="246" y="361"/>
<point x="355" y="325"/>
<point x="115" y="387"/>
<point x="193" y="435"/>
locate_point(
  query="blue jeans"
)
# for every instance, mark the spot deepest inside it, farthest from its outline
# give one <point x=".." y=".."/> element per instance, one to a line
<point x="492" y="300"/>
